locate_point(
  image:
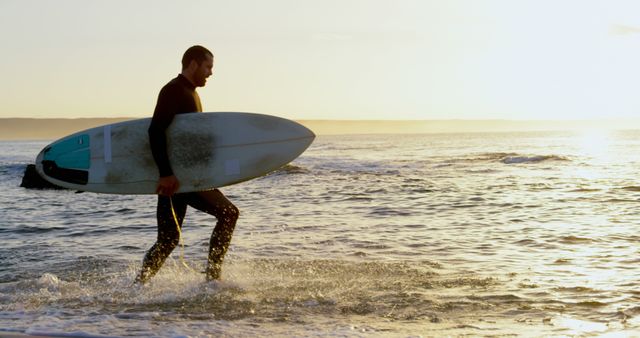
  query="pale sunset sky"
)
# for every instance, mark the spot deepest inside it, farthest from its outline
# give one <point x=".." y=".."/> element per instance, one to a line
<point x="327" y="59"/>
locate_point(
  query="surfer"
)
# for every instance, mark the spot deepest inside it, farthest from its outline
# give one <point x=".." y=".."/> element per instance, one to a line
<point x="179" y="96"/>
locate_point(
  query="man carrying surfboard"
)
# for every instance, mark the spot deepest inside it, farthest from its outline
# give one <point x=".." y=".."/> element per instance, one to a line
<point x="179" y="96"/>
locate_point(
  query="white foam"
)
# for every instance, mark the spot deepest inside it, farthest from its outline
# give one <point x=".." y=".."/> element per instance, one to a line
<point x="49" y="281"/>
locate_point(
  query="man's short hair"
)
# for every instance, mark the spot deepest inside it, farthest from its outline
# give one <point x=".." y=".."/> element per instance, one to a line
<point x="195" y="53"/>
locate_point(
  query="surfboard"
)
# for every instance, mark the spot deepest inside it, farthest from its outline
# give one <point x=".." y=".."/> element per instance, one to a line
<point x="206" y="151"/>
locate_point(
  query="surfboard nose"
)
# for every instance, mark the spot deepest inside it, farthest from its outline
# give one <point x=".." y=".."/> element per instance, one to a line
<point x="304" y="131"/>
<point x="306" y="135"/>
<point x="308" y="131"/>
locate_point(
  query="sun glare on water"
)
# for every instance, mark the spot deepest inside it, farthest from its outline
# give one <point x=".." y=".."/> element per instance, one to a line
<point x="595" y="146"/>
<point x="595" y="141"/>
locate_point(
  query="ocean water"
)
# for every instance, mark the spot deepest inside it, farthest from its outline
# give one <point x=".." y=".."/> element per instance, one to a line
<point x="475" y="234"/>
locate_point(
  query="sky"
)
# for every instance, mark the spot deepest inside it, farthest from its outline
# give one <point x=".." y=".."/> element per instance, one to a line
<point x="327" y="59"/>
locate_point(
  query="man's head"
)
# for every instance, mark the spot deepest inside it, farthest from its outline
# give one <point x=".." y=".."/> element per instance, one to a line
<point x="197" y="65"/>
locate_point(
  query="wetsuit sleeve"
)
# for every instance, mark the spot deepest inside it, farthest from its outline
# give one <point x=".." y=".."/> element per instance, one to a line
<point x="162" y="117"/>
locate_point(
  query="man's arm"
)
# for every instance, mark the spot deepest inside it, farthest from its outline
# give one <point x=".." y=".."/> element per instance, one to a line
<point x="162" y="117"/>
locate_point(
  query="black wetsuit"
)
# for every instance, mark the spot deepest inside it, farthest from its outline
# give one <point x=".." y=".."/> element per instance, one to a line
<point x="180" y="97"/>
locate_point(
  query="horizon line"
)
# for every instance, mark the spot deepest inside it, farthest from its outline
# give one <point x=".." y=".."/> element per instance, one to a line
<point x="54" y="127"/>
<point x="353" y="120"/>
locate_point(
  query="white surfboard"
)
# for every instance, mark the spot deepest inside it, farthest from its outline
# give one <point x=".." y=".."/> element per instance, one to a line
<point x="206" y="151"/>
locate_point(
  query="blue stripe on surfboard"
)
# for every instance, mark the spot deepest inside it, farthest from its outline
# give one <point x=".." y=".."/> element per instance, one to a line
<point x="70" y="153"/>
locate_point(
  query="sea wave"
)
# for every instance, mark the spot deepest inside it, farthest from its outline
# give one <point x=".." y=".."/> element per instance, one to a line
<point x="575" y="240"/>
<point x="532" y="159"/>
<point x="291" y="169"/>
<point x="506" y="158"/>
<point x="12" y="169"/>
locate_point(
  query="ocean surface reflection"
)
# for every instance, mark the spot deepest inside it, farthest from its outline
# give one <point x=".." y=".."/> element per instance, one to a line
<point x="526" y="233"/>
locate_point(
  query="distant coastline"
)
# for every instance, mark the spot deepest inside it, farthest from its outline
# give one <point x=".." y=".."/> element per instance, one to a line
<point x="49" y="129"/>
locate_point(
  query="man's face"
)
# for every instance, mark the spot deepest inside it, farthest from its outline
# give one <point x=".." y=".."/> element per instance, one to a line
<point x="203" y="71"/>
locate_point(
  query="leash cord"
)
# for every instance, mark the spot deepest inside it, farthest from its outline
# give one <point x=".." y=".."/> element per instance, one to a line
<point x="180" y="240"/>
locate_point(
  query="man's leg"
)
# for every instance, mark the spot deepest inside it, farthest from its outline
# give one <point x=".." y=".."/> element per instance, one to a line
<point x="215" y="203"/>
<point x="168" y="235"/>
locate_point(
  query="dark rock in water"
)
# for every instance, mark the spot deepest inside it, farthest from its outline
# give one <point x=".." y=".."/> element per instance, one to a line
<point x="33" y="180"/>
